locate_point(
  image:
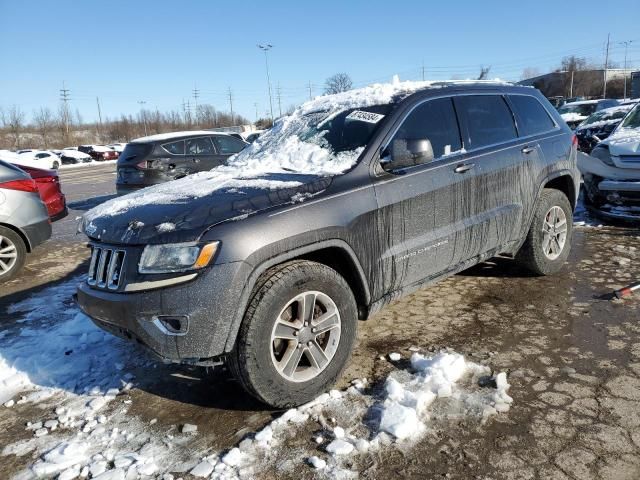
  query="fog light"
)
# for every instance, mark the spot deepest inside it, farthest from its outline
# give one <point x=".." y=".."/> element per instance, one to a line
<point x="172" y="324"/>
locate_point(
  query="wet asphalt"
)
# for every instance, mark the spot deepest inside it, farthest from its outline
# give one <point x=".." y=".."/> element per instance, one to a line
<point x="571" y="350"/>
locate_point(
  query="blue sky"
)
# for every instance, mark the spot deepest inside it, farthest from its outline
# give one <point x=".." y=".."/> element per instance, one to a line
<point x="158" y="51"/>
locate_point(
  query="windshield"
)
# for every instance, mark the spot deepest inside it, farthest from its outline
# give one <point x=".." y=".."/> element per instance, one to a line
<point x="320" y="142"/>
<point x="632" y="120"/>
<point x="603" y="116"/>
<point x="583" y="109"/>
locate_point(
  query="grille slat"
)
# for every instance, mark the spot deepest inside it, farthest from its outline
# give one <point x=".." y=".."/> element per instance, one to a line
<point x="105" y="269"/>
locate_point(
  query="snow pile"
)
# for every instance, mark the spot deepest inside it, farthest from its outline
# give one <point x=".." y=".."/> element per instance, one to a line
<point x="92" y="163"/>
<point x="407" y="401"/>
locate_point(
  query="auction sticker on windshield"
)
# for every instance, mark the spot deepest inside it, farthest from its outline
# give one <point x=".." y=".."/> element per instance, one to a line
<point x="368" y="117"/>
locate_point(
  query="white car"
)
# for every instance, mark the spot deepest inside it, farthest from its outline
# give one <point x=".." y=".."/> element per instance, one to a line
<point x="575" y="113"/>
<point x="72" y="157"/>
<point x="39" y="159"/>
<point x="612" y="172"/>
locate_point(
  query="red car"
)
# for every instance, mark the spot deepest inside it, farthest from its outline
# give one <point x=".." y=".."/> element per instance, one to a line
<point x="99" y="152"/>
<point x="49" y="189"/>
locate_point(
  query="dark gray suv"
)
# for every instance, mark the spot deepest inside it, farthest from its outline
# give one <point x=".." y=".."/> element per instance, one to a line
<point x="352" y="201"/>
<point x="169" y="156"/>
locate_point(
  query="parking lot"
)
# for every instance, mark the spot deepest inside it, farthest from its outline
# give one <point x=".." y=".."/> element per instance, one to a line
<point x="570" y="350"/>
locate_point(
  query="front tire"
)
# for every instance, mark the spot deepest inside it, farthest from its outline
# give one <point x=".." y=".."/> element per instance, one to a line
<point x="13" y="253"/>
<point x="56" y="165"/>
<point x="548" y="242"/>
<point x="297" y="334"/>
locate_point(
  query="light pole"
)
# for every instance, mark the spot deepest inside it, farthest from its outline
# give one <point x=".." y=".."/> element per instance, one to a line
<point x="265" y="48"/>
<point x="626" y="44"/>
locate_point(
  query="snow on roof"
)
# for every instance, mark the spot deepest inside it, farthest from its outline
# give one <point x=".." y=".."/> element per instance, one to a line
<point x="74" y="154"/>
<point x="172" y="135"/>
<point x="279" y="150"/>
<point x="582" y="102"/>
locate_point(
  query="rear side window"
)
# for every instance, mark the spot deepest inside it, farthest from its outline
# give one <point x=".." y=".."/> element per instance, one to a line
<point x="488" y="118"/>
<point x="532" y="116"/>
<point x="434" y="120"/>
<point x="174" y="148"/>
<point x="200" y="146"/>
<point x="228" y="145"/>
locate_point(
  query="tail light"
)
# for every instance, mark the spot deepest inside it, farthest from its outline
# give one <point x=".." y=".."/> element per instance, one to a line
<point x="144" y="164"/>
<point x="574" y="140"/>
<point x="20" y="185"/>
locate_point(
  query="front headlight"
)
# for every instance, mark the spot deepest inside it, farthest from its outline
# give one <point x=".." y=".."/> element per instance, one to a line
<point x="177" y="257"/>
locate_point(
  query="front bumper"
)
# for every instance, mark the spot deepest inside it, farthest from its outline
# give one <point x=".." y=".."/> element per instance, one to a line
<point x="209" y="303"/>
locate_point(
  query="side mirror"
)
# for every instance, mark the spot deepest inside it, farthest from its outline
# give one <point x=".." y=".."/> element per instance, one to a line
<point x="408" y="153"/>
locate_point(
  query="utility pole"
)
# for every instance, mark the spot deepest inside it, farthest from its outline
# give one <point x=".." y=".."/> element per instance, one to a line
<point x="626" y="44"/>
<point x="99" y="116"/>
<point x="196" y="95"/>
<point x="231" y="105"/>
<point x="142" y="114"/>
<point x="64" y="96"/>
<point x="571" y="86"/>
<point x="265" y="48"/>
<point x="279" y="101"/>
<point x="255" y="104"/>
<point x="423" y="70"/>
<point x="606" y="66"/>
<point x="310" y="93"/>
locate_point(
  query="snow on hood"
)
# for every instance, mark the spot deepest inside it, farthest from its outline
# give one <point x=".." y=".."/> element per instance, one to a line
<point x="572" y="117"/>
<point x="624" y="141"/>
<point x="75" y="154"/>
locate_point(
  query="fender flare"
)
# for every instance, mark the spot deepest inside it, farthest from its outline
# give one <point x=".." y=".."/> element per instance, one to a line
<point x="281" y="258"/>
<point x="541" y="185"/>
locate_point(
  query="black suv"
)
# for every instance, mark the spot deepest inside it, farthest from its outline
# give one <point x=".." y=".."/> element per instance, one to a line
<point x="169" y="156"/>
<point x="352" y="201"/>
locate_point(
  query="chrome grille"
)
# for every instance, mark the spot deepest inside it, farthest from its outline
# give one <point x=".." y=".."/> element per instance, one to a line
<point x="105" y="269"/>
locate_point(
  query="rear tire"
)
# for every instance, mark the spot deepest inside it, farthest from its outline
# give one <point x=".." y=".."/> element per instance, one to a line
<point x="13" y="253"/>
<point x="278" y="358"/>
<point x="56" y="165"/>
<point x="548" y="242"/>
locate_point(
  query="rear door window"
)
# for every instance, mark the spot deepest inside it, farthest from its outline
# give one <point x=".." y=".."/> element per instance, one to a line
<point x="200" y="146"/>
<point x="532" y="116"/>
<point x="488" y="118"/>
<point x="174" y="148"/>
<point x="227" y="145"/>
<point x="434" y="120"/>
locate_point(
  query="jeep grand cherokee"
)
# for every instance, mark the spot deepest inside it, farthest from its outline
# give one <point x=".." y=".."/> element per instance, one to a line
<point x="355" y="199"/>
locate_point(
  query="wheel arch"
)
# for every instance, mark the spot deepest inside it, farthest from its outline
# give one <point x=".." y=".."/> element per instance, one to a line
<point x="20" y="233"/>
<point x="565" y="183"/>
<point x="336" y="254"/>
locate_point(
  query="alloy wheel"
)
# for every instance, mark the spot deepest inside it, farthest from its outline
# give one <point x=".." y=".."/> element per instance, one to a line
<point x="8" y="255"/>
<point x="305" y="336"/>
<point x="554" y="232"/>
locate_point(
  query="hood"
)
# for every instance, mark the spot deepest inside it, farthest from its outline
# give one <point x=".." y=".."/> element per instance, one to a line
<point x="182" y="210"/>
<point x="624" y="141"/>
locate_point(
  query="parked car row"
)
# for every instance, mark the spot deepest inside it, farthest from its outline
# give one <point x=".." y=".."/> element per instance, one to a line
<point x="611" y="171"/>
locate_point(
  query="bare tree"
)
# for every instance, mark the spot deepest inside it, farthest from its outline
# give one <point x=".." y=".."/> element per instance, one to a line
<point x="340" y="82"/>
<point x="484" y="72"/>
<point x="64" y="122"/>
<point x="13" y="120"/>
<point x="43" y="120"/>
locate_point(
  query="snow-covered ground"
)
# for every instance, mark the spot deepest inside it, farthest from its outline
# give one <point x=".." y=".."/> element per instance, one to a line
<point x="80" y="377"/>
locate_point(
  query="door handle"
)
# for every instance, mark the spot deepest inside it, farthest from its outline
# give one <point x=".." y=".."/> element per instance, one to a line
<point x="465" y="167"/>
<point x="527" y="149"/>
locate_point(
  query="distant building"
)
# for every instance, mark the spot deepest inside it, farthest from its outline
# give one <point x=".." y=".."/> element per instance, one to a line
<point x="586" y="83"/>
